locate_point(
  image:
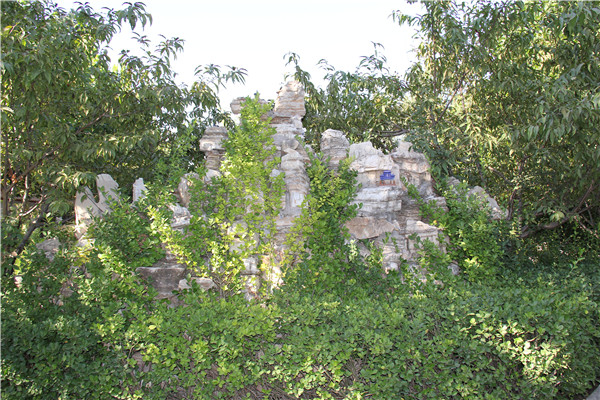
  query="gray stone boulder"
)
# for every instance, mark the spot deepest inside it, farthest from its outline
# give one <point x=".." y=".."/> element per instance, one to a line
<point x="87" y="207"/>
<point x="49" y="247"/>
<point x="289" y="104"/>
<point x="496" y="212"/>
<point x="334" y="145"/>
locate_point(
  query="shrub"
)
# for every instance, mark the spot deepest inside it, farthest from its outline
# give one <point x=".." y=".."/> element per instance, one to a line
<point x="233" y="215"/>
<point x="320" y="255"/>
<point x="475" y="242"/>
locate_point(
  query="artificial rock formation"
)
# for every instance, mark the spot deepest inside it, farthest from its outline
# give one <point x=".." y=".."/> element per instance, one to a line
<point x="496" y="212"/>
<point x="87" y="207"/>
<point x="387" y="215"/>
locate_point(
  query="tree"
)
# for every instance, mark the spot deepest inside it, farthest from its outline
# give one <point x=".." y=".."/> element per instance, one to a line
<point x="505" y="95"/>
<point x="513" y="90"/>
<point x="365" y="104"/>
<point x="67" y="114"/>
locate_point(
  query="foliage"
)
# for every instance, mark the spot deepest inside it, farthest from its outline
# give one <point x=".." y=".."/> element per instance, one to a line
<point x="69" y="326"/>
<point x="365" y="104"/>
<point x="516" y="340"/>
<point x="68" y="114"/>
<point x="477" y="243"/>
<point x="506" y="96"/>
<point x="320" y="255"/>
<point x="233" y="214"/>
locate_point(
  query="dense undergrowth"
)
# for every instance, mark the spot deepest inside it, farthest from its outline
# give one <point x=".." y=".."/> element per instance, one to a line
<point x="520" y="322"/>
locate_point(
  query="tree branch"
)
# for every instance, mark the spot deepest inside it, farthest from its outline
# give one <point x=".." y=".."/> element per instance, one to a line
<point x="36" y="224"/>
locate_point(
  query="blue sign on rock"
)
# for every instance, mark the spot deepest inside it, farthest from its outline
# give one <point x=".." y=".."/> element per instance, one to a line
<point x="387" y="178"/>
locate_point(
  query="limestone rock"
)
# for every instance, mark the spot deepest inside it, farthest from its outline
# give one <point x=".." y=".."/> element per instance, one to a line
<point x="380" y="200"/>
<point x="595" y="394"/>
<point x="334" y="145"/>
<point x="370" y="163"/>
<point x="236" y="104"/>
<point x="86" y="206"/>
<point x="423" y="231"/>
<point x="296" y="181"/>
<point x="415" y="161"/>
<point x="212" y="145"/>
<point x="107" y="191"/>
<point x="213" y="138"/>
<point x="204" y="283"/>
<point x="86" y="209"/>
<point x="369" y="227"/>
<point x="290" y="101"/>
<point x="285" y="138"/>
<point x="497" y="212"/>
<point x="414" y="167"/>
<point x="454" y="268"/>
<point x="251" y="266"/>
<point x="164" y="276"/>
<point x="139" y="190"/>
<point x="181" y="216"/>
<point x="183" y="190"/>
<point x="211" y="173"/>
<point x="49" y="247"/>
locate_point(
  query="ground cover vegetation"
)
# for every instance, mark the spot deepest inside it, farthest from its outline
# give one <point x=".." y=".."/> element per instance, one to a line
<point x="520" y="321"/>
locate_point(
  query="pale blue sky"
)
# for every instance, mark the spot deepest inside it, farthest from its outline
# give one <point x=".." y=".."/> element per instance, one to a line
<point x="256" y="35"/>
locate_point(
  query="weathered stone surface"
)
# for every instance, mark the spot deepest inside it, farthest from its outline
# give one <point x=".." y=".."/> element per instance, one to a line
<point x="423" y="231"/>
<point x="181" y="216"/>
<point x="334" y="145"/>
<point x="213" y="138"/>
<point x="413" y="161"/>
<point x="204" y="283"/>
<point x="49" y="247"/>
<point x="183" y="189"/>
<point x="236" y="104"/>
<point x="164" y="276"/>
<point x="454" y="268"/>
<point x="379" y="200"/>
<point x="108" y="191"/>
<point x="85" y="209"/>
<point x="86" y="206"/>
<point x="595" y="395"/>
<point x="211" y="173"/>
<point x="365" y="157"/>
<point x="370" y="163"/>
<point x="414" y="167"/>
<point x="139" y="190"/>
<point x="290" y="101"/>
<point x="251" y="266"/>
<point x="212" y="145"/>
<point x="496" y="211"/>
<point x="369" y="227"/>
<point x="296" y="181"/>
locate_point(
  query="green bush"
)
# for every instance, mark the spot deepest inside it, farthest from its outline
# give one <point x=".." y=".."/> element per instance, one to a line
<point x="475" y="242"/>
<point x="233" y="215"/>
<point x="320" y="255"/>
<point x="521" y="340"/>
<point x="69" y="325"/>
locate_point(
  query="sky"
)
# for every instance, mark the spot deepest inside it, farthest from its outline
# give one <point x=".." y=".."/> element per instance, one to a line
<point x="258" y="34"/>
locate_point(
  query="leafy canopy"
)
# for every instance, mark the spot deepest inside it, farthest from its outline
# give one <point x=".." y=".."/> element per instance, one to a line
<point x="69" y="112"/>
<point x="504" y="95"/>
